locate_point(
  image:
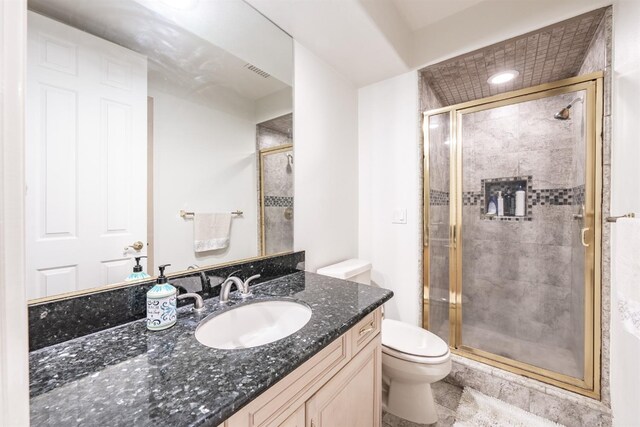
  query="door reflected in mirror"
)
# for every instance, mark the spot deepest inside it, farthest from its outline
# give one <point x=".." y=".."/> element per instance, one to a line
<point x="138" y="110"/>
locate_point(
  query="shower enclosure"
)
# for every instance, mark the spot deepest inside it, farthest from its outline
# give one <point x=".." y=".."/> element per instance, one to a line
<point x="520" y="292"/>
<point x="276" y="199"/>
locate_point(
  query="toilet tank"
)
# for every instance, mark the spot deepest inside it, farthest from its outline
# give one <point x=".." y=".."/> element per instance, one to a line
<point x="355" y="270"/>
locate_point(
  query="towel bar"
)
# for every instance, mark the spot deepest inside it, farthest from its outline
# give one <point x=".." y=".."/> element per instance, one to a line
<point x="615" y="218"/>
<point x="184" y="213"/>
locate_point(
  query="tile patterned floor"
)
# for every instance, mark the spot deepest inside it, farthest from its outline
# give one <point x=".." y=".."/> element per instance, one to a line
<point x="447" y="397"/>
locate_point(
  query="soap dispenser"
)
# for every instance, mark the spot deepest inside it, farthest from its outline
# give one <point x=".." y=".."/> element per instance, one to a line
<point x="137" y="274"/>
<point x="500" y="204"/>
<point x="161" y="303"/>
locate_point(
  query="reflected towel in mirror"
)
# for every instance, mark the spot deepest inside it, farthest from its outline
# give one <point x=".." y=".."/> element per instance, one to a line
<point x="627" y="271"/>
<point x="211" y="231"/>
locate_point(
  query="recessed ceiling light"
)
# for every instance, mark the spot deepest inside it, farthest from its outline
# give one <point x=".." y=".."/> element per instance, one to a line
<point x="503" y="77"/>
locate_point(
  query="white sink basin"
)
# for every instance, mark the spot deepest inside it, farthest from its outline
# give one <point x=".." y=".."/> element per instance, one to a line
<point x="253" y="324"/>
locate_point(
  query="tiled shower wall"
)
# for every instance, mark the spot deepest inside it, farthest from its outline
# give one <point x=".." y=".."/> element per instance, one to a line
<point x="278" y="190"/>
<point x="517" y="294"/>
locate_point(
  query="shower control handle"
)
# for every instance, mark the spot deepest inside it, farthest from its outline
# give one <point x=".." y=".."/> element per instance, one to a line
<point x="583" y="232"/>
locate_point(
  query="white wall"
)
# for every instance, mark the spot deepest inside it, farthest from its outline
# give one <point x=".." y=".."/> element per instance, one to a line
<point x="625" y="197"/>
<point x="204" y="161"/>
<point x="326" y="155"/>
<point x="389" y="162"/>
<point x="14" y="361"/>
<point x="274" y="105"/>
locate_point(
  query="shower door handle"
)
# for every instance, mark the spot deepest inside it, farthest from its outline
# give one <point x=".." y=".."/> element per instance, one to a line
<point x="583" y="232"/>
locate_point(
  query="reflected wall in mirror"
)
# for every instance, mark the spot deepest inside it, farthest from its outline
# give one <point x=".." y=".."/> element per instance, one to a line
<point x="138" y="110"/>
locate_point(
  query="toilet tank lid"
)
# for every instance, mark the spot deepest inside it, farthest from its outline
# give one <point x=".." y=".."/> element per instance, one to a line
<point x="345" y="269"/>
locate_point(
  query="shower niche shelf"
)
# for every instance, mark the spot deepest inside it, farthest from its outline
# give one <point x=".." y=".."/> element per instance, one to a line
<point x="490" y="187"/>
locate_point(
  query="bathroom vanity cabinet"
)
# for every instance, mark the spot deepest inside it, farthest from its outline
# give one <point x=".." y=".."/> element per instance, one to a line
<point x="339" y="386"/>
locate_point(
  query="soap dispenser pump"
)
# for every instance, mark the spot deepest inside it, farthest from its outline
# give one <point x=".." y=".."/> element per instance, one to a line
<point x="161" y="303"/>
<point x="137" y="274"/>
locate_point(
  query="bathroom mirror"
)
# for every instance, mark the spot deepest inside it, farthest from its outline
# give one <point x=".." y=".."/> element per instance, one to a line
<point x="145" y="124"/>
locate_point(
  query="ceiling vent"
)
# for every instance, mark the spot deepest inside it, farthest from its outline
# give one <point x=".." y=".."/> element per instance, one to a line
<point x="257" y="70"/>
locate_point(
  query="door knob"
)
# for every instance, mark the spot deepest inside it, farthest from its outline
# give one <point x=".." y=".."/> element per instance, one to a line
<point x="137" y="246"/>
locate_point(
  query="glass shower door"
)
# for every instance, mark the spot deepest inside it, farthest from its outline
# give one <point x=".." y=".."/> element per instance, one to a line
<point x="526" y="221"/>
<point x="437" y="220"/>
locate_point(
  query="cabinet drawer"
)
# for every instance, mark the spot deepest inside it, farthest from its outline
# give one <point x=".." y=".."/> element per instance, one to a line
<point x="365" y="330"/>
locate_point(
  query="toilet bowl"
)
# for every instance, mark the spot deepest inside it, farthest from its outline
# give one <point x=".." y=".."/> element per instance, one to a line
<point x="412" y="358"/>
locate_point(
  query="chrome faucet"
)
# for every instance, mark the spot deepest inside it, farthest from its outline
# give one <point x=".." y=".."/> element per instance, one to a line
<point x="243" y="287"/>
<point x="198" y="304"/>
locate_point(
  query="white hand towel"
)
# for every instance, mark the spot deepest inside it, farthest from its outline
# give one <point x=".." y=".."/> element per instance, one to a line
<point x="627" y="273"/>
<point x="211" y="231"/>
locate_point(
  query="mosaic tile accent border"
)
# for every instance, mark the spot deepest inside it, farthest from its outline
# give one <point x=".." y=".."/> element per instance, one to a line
<point x="278" y="201"/>
<point x="438" y="198"/>
<point x="535" y="197"/>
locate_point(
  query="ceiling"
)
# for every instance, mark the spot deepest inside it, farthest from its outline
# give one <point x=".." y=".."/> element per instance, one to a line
<point x="549" y="54"/>
<point x="421" y="13"/>
<point x="179" y="59"/>
<point x="371" y="40"/>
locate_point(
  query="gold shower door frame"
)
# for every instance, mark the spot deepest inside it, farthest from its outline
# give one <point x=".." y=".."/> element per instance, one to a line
<point x="589" y="385"/>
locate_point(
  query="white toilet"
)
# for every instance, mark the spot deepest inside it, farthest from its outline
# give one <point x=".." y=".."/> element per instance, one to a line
<point x="412" y="358"/>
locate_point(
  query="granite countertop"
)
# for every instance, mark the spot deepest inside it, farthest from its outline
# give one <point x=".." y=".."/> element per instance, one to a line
<point x="130" y="376"/>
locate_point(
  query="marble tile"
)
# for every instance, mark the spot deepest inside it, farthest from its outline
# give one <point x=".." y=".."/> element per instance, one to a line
<point x="278" y="230"/>
<point x="446" y="395"/>
<point x="556" y="410"/>
<point x="606" y="141"/>
<point x="543" y="400"/>
<point x="268" y="138"/>
<point x="446" y="418"/>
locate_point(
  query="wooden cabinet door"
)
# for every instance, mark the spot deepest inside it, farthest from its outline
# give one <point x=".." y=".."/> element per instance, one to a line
<point x="296" y="419"/>
<point x="352" y="397"/>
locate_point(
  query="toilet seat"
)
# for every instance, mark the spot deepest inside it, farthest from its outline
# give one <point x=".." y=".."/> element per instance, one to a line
<point x="412" y="343"/>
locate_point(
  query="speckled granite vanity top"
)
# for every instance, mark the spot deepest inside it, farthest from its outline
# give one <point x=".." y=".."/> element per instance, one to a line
<point x="130" y="376"/>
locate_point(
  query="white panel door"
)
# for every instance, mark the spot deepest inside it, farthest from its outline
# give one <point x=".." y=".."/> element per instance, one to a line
<point x="86" y="158"/>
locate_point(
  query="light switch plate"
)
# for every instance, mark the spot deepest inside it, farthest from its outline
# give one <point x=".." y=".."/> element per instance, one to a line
<point x="399" y="216"/>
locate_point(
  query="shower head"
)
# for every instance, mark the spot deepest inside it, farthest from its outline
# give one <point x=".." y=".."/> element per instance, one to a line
<point x="565" y="113"/>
